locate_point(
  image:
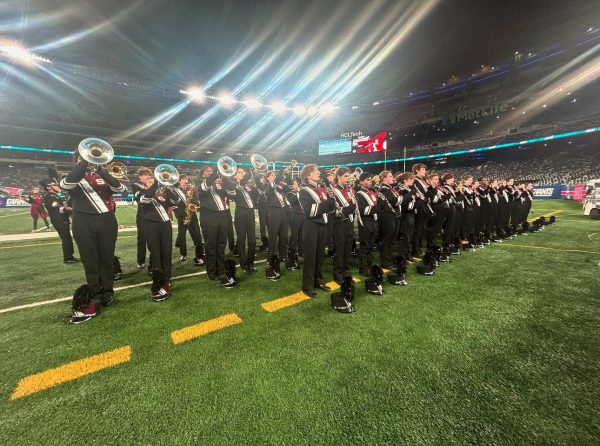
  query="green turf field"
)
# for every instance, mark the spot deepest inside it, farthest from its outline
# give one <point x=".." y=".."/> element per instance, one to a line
<point x="500" y="347"/>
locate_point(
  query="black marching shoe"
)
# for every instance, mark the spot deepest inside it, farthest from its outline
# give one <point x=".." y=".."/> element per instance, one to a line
<point x="322" y="286"/>
<point x="310" y="293"/>
<point x="71" y="260"/>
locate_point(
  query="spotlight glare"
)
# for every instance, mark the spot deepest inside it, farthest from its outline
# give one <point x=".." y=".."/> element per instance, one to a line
<point x="226" y="99"/>
<point x="195" y="93"/>
<point x="252" y="104"/>
<point x="300" y="110"/>
<point x="326" y="109"/>
<point x="18" y="53"/>
<point x="312" y="110"/>
<point x="278" y="107"/>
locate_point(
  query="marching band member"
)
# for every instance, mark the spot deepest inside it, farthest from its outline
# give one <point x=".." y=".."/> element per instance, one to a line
<point x="343" y="223"/>
<point x="296" y="219"/>
<point x="58" y="211"/>
<point x="439" y="203"/>
<point x="493" y="210"/>
<point x="468" y="213"/>
<point x="316" y="205"/>
<point x="424" y="211"/>
<point x="277" y="223"/>
<point x="245" y="196"/>
<point x="449" y="228"/>
<point x="503" y="218"/>
<point x="389" y="217"/>
<point x="159" y="234"/>
<point x="187" y="220"/>
<point x="407" y="214"/>
<point x="37" y="208"/>
<point x="262" y="207"/>
<point x="328" y="181"/>
<point x="138" y="189"/>
<point x="94" y="225"/>
<point x="368" y="206"/>
<point x="213" y="221"/>
<point x="482" y="223"/>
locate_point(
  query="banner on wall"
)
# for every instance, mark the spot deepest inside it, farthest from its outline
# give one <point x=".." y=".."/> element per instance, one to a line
<point x="557" y="191"/>
<point x="10" y="202"/>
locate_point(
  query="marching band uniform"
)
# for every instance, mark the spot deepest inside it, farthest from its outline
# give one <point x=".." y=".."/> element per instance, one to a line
<point x="469" y="214"/>
<point x="296" y="223"/>
<point x="422" y="215"/>
<point x="482" y="223"/>
<point x="389" y="223"/>
<point x="213" y="220"/>
<point x="450" y="225"/>
<point x="407" y="221"/>
<point x="138" y="190"/>
<point x="95" y="225"/>
<point x="503" y="219"/>
<point x="245" y="198"/>
<point x="262" y="207"/>
<point x="368" y="206"/>
<point x="37" y="210"/>
<point x="528" y="202"/>
<point x="343" y="230"/>
<point x="159" y="233"/>
<point x="439" y="203"/>
<point x="277" y="222"/>
<point x="459" y="209"/>
<point x="315" y="204"/>
<point x="189" y="194"/>
<point x="59" y="216"/>
<point x="492" y="221"/>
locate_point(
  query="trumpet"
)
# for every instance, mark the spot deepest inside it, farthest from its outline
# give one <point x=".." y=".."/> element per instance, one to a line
<point x="118" y="170"/>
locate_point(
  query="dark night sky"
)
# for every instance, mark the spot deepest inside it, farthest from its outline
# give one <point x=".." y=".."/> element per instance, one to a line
<point x="182" y="42"/>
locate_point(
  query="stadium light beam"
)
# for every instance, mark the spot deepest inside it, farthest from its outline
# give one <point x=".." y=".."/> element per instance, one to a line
<point x="252" y="104"/>
<point x="279" y="108"/>
<point x="226" y="99"/>
<point x="17" y="53"/>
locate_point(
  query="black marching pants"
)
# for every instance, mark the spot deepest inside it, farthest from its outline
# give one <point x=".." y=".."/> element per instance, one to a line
<point x="278" y="231"/>
<point x="469" y="222"/>
<point x="405" y="234"/>
<point x="96" y="237"/>
<point x="436" y="222"/>
<point x="343" y="231"/>
<point x="388" y="233"/>
<point x="449" y="225"/>
<point x="230" y="233"/>
<point x="421" y="220"/>
<point x="141" y="237"/>
<point x="262" y="223"/>
<point x="214" y="227"/>
<point x="245" y="228"/>
<point x="159" y="235"/>
<point x="296" y="232"/>
<point x="194" y="230"/>
<point x="330" y="237"/>
<point x="62" y="226"/>
<point x="315" y="239"/>
<point x="366" y="236"/>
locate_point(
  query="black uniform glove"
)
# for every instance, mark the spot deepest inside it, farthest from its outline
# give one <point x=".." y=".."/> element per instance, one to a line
<point x="349" y="210"/>
<point x="212" y="178"/>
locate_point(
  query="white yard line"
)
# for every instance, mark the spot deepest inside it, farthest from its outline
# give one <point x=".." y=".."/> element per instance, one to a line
<point x="126" y="287"/>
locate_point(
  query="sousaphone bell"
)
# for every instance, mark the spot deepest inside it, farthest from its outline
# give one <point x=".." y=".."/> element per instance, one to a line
<point x="259" y="162"/>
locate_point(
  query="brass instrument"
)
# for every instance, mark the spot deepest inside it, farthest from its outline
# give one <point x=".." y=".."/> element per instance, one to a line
<point x="166" y="175"/>
<point x="190" y="207"/>
<point x="226" y="166"/>
<point x="96" y="151"/>
<point x="259" y="162"/>
<point x="118" y="170"/>
<point x="289" y="169"/>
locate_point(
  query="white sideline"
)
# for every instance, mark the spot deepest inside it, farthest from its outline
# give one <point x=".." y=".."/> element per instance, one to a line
<point x="64" y="299"/>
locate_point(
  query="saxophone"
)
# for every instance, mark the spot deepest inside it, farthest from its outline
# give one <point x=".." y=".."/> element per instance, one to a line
<point x="190" y="207"/>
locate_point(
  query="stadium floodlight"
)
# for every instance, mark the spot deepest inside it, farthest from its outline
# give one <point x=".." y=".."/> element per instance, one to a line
<point x="252" y="104"/>
<point x="312" y="110"/>
<point x="300" y="110"/>
<point x="195" y="93"/>
<point x="226" y="99"/>
<point x="278" y="107"/>
<point x="326" y="109"/>
<point x="16" y="52"/>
